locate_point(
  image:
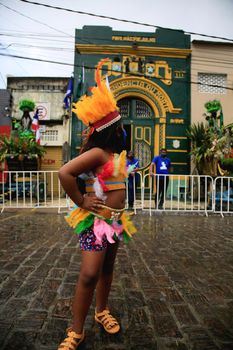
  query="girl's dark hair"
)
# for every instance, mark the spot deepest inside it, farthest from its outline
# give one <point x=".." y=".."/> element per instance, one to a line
<point x="111" y="138"/>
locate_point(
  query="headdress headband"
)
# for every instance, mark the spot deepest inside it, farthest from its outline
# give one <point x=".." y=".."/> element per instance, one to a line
<point x="98" y="110"/>
<point x="108" y="120"/>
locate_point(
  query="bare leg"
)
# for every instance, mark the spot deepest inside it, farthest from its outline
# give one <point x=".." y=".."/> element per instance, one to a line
<point x="92" y="263"/>
<point x="105" y="280"/>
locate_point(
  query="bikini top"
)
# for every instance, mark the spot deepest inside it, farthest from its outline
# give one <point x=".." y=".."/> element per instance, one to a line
<point x="110" y="184"/>
<point x="112" y="176"/>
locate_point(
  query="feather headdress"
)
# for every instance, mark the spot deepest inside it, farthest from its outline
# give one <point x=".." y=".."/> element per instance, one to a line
<point x="98" y="110"/>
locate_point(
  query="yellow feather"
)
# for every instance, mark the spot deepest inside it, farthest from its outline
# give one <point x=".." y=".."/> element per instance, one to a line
<point x="128" y="226"/>
<point x="122" y="163"/>
<point x="90" y="109"/>
<point x="116" y="164"/>
<point x="75" y="216"/>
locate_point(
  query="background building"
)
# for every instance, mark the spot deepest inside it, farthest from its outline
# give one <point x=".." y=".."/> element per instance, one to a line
<point x="212" y="68"/>
<point x="48" y="95"/>
<point x="5" y="120"/>
<point x="5" y="111"/>
<point x="149" y="73"/>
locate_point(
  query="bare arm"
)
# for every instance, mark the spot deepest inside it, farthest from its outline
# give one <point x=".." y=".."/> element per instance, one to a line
<point x="86" y="162"/>
<point x="152" y="169"/>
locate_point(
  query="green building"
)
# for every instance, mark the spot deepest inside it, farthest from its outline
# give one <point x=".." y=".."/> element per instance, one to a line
<point x="149" y="74"/>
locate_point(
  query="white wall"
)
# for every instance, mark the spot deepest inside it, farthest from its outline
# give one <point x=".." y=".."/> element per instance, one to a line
<point x="215" y="58"/>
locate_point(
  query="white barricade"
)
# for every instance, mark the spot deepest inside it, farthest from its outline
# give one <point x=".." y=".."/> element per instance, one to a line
<point x="172" y="193"/>
<point x="32" y="189"/>
<point x="223" y="195"/>
<point x="189" y="193"/>
<point x="137" y="192"/>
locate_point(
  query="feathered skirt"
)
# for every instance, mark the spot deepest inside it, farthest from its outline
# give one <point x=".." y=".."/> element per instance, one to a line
<point x="95" y="230"/>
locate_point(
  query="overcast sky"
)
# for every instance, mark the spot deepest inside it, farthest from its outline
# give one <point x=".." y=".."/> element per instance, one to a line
<point x="53" y="38"/>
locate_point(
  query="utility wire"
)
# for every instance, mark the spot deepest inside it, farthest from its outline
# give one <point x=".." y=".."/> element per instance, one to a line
<point x="46" y="35"/>
<point x="32" y="33"/>
<point x="50" y="48"/>
<point x="35" y="20"/>
<point x="106" y="70"/>
<point x="119" y="19"/>
<point x="227" y="54"/>
<point x="216" y="62"/>
<point x="39" y="38"/>
<point x="205" y="68"/>
<point x="196" y="60"/>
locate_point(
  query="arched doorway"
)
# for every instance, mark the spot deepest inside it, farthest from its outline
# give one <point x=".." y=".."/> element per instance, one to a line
<point x="144" y="106"/>
<point x="139" y="123"/>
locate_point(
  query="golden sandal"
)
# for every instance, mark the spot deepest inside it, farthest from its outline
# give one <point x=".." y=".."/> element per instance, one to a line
<point x="109" y="323"/>
<point x="72" y="341"/>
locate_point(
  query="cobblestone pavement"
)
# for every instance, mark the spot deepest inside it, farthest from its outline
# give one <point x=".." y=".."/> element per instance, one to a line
<point x="173" y="284"/>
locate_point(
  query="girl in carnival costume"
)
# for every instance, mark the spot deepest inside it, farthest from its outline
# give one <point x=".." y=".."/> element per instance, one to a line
<point x="98" y="217"/>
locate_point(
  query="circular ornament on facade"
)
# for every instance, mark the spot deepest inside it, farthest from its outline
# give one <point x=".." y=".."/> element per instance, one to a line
<point x="150" y="70"/>
<point x="116" y="67"/>
<point x="176" y="144"/>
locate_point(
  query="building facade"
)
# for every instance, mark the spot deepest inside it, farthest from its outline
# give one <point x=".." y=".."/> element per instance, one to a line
<point x="212" y="74"/>
<point x="48" y="94"/>
<point x="5" y="111"/>
<point x="149" y="74"/>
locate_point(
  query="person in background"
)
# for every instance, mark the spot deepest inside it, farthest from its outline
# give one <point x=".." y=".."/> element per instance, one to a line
<point x="132" y="166"/>
<point x="160" y="166"/>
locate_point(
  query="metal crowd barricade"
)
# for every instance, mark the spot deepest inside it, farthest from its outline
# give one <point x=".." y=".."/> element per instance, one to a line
<point x="222" y="200"/>
<point x="137" y="192"/>
<point x="188" y="193"/>
<point x="183" y="193"/>
<point x="32" y="189"/>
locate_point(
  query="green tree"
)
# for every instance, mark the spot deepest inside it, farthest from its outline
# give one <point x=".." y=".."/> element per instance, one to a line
<point x="209" y="147"/>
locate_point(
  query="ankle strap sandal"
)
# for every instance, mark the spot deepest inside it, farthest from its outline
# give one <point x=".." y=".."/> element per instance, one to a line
<point x="72" y="341"/>
<point x="109" y="323"/>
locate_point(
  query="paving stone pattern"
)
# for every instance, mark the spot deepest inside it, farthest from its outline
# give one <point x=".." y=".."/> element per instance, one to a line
<point x="172" y="290"/>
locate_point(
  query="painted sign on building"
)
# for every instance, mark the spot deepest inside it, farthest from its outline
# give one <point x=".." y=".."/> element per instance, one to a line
<point x="44" y="110"/>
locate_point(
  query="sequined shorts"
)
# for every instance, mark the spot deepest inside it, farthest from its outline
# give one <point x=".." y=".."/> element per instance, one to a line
<point x="87" y="240"/>
<point x="87" y="237"/>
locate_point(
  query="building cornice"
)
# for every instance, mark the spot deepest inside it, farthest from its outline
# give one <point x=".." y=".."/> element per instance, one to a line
<point x="93" y="49"/>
